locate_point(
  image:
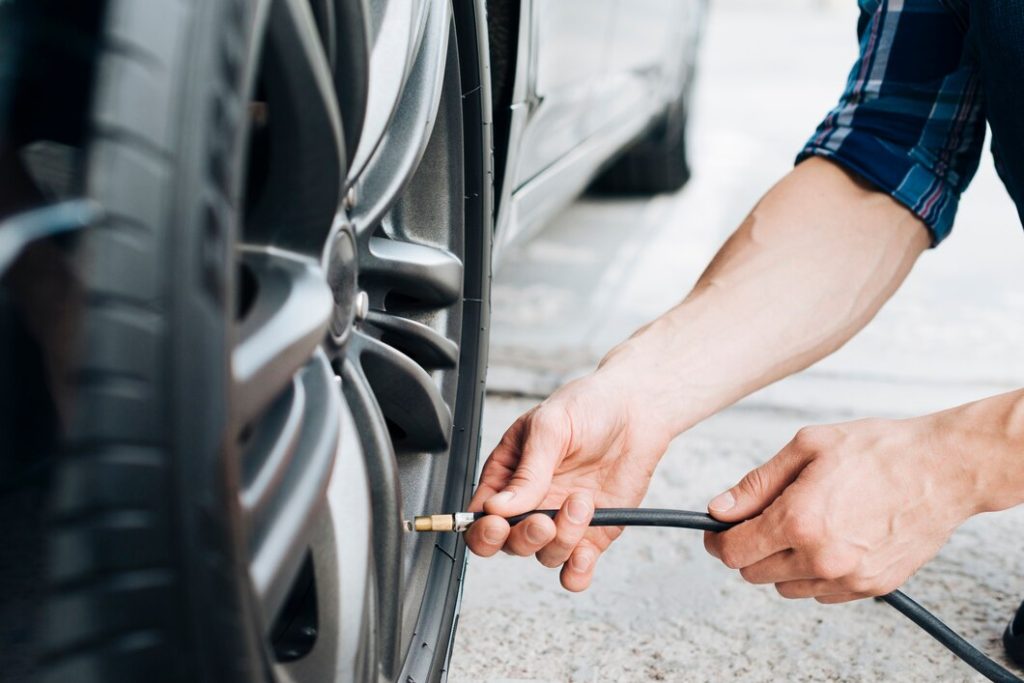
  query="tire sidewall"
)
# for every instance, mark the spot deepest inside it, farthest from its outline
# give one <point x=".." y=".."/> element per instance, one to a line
<point x="220" y="64"/>
<point x="204" y="69"/>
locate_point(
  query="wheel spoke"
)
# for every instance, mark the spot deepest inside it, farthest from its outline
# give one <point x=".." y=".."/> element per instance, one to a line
<point x="382" y="472"/>
<point x="399" y="152"/>
<point x="423" y="273"/>
<point x="352" y="55"/>
<point x="423" y="344"/>
<point x="323" y="13"/>
<point x="407" y="395"/>
<point x="350" y="498"/>
<point x="391" y="27"/>
<point x="281" y="507"/>
<point x="287" y="321"/>
<point x="343" y="32"/>
<point x="271" y="448"/>
<point x="300" y="190"/>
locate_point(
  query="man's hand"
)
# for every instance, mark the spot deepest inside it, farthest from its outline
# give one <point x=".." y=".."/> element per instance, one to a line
<point x="585" y="446"/>
<point x="849" y="511"/>
<point x="810" y="266"/>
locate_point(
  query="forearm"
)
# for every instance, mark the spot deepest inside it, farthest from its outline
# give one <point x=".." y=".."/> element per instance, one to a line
<point x="809" y="267"/>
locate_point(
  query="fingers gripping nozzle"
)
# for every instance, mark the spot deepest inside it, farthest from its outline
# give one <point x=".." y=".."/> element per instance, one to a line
<point x="458" y="521"/>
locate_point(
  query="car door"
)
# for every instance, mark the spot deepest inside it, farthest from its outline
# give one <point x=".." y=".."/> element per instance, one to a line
<point x="650" y="47"/>
<point x="569" y="41"/>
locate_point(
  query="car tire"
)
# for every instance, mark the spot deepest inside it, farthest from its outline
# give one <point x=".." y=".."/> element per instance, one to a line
<point x="150" y="561"/>
<point x="656" y="163"/>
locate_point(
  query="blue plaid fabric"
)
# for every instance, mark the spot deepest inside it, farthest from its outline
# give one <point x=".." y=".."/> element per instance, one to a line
<point x="911" y="119"/>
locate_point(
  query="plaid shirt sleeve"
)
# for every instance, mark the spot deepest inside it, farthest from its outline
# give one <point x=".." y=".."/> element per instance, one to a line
<point x="911" y="118"/>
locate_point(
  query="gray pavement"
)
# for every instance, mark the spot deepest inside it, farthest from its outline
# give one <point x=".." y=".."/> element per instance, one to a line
<point x="660" y="609"/>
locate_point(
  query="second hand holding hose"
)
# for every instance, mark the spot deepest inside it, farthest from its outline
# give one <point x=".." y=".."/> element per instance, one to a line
<point x="688" y="519"/>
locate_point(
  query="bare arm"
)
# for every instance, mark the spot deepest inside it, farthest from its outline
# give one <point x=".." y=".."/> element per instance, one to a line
<point x="809" y="267"/>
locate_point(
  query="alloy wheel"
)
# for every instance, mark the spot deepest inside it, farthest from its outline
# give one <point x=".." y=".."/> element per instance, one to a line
<point x="353" y="278"/>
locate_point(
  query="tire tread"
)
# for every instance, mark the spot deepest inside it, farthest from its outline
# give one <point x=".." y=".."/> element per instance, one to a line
<point x="113" y="612"/>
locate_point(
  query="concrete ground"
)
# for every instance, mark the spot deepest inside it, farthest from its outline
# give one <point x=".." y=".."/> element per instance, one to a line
<point x="660" y="609"/>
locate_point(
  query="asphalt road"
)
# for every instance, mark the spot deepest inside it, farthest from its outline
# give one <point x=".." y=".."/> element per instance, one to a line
<point x="660" y="609"/>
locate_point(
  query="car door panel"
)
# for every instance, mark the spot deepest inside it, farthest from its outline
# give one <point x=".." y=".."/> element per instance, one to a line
<point x="568" y="39"/>
<point x="647" y="52"/>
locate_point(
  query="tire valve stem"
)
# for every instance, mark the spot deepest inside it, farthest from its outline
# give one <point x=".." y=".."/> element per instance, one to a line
<point x="456" y="521"/>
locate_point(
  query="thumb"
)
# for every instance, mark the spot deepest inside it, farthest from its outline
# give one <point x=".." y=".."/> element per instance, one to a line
<point x="758" y="488"/>
<point x="544" y="444"/>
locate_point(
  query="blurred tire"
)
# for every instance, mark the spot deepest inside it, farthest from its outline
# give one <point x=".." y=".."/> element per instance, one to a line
<point x="657" y="162"/>
<point x="152" y="552"/>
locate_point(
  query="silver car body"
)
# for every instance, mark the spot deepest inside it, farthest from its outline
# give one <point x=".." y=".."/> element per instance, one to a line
<point x="590" y="76"/>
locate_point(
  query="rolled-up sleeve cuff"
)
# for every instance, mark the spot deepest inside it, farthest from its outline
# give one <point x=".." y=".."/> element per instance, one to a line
<point x="928" y="196"/>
